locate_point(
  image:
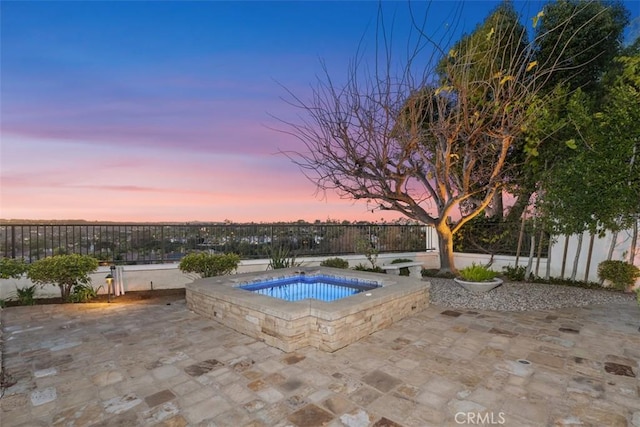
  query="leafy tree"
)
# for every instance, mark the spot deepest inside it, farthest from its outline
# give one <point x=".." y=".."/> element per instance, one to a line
<point x="598" y="188"/>
<point x="65" y="271"/>
<point x="209" y="265"/>
<point x="426" y="148"/>
<point x="591" y="37"/>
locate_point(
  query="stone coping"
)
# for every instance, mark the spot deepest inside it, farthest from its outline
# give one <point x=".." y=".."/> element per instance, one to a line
<point x="227" y="288"/>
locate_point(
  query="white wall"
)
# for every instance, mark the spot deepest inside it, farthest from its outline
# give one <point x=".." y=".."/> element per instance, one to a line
<point x="601" y="247"/>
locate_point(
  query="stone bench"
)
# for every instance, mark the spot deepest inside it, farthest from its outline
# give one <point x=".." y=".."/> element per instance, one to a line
<point x="415" y="268"/>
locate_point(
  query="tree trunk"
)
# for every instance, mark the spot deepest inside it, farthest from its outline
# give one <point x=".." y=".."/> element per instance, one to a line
<point x="634" y="236"/>
<point x="589" y="256"/>
<point x="445" y="238"/>
<point x="547" y="273"/>
<point x="574" y="271"/>
<point x="539" y="254"/>
<point x="520" y="237"/>
<point x="564" y="255"/>
<point x="614" y="239"/>
<point x="634" y="243"/>
<point x="65" y="292"/>
<point x="532" y="248"/>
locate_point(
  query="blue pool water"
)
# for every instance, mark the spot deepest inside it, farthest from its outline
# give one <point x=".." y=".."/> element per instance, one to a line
<point x="320" y="287"/>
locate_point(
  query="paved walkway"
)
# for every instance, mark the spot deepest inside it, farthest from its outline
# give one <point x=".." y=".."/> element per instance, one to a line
<point x="157" y="364"/>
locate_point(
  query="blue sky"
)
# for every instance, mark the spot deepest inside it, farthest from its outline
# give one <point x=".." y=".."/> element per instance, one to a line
<point x="160" y="110"/>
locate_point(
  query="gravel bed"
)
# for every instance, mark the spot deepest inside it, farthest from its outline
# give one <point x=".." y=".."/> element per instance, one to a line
<point x="516" y="296"/>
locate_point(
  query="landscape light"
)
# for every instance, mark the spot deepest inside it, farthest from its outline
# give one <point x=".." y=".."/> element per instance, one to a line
<point x="109" y="280"/>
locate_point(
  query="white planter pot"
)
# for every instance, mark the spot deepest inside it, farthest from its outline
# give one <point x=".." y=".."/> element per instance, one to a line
<point x="479" y="287"/>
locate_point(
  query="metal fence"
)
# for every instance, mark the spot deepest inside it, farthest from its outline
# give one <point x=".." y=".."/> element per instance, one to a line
<point x="160" y="243"/>
<point x="489" y="236"/>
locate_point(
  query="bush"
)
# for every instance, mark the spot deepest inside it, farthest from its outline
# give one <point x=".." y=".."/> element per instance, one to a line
<point x="335" y="263"/>
<point x="477" y="273"/>
<point x="65" y="271"/>
<point x="515" y="273"/>
<point x="209" y="265"/>
<point x="403" y="271"/>
<point x="11" y="268"/>
<point x="622" y="275"/>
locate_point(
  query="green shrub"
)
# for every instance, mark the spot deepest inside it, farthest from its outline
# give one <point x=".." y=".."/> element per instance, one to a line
<point x="362" y="267"/>
<point x="11" y="268"/>
<point x="335" y="263"/>
<point x="568" y="282"/>
<point x="477" y="273"/>
<point x="26" y="295"/>
<point x="622" y="275"/>
<point x="515" y="273"/>
<point x="405" y="270"/>
<point x="209" y="265"/>
<point x="83" y="293"/>
<point x="65" y="271"/>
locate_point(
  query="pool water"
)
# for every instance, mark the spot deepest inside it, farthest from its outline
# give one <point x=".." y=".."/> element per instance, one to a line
<point x="320" y="287"/>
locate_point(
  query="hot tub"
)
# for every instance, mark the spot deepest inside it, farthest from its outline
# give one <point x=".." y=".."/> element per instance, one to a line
<point x="301" y="286"/>
<point x="290" y="325"/>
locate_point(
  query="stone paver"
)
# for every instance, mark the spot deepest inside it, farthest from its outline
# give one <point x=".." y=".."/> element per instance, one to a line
<point x="151" y="364"/>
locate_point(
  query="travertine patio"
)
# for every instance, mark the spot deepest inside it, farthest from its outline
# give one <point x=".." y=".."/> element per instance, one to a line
<point x="158" y="364"/>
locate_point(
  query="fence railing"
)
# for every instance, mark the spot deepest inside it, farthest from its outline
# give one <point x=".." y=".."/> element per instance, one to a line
<point x="501" y="238"/>
<point x="160" y="243"/>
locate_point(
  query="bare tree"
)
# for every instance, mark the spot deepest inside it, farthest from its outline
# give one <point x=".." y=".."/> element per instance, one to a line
<point x="435" y="140"/>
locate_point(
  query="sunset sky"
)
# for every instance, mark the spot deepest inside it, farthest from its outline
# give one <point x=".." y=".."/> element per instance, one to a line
<point x="162" y="111"/>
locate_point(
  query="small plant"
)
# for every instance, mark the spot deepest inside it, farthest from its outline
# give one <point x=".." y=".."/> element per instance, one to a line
<point x="622" y="275"/>
<point x="26" y="295"/>
<point x="335" y="263"/>
<point x="403" y="271"/>
<point x="368" y="249"/>
<point x="515" y="273"/>
<point x="280" y="257"/>
<point x="477" y="273"/>
<point x="83" y="293"/>
<point x="209" y="265"/>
